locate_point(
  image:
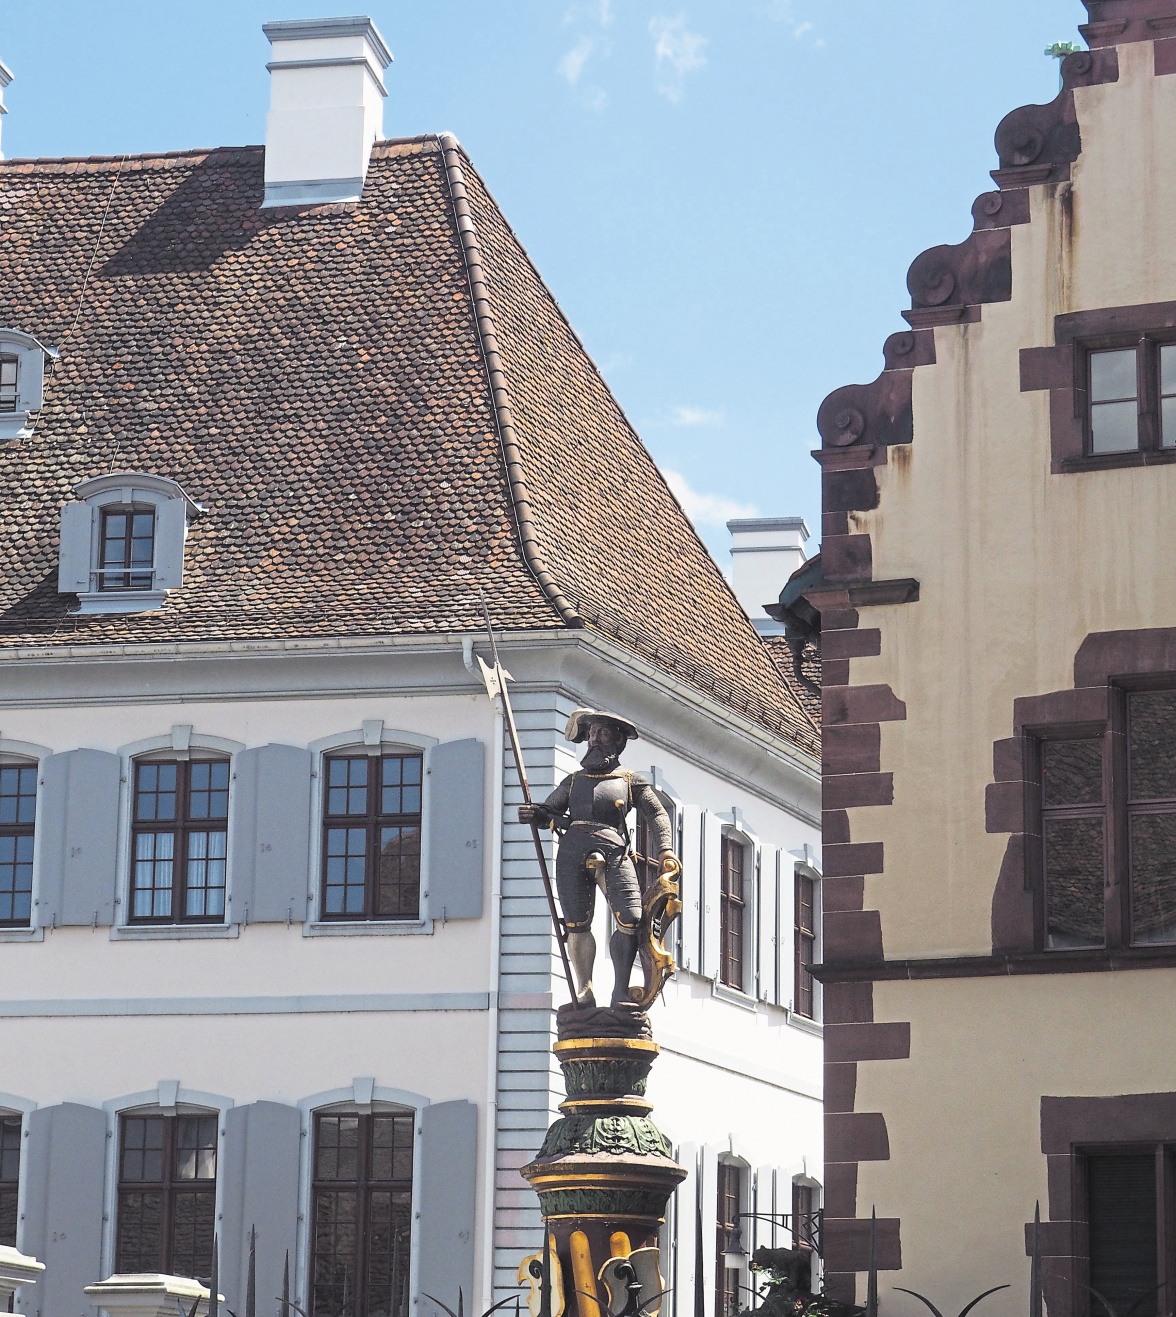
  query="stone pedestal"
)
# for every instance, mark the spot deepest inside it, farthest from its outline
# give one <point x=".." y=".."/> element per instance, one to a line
<point x="604" y="1168"/>
<point x="148" y="1294"/>
<point x="16" y="1270"/>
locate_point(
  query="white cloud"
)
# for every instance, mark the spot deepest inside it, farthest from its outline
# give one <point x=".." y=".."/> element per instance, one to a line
<point x="677" y="52"/>
<point x="706" y="509"/>
<point x="782" y="12"/>
<point x="606" y="13"/>
<point x="800" y="29"/>
<point x="595" y="98"/>
<point x="695" y="416"/>
<point x="572" y="64"/>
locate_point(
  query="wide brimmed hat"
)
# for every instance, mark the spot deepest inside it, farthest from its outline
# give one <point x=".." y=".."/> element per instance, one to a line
<point x="577" y="728"/>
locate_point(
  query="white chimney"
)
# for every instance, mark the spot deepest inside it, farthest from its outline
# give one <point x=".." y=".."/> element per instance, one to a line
<point x="326" y="109"/>
<point x="765" y="551"/>
<point x="5" y="79"/>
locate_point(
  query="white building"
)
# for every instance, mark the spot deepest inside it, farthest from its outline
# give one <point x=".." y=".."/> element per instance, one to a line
<point x="274" y="950"/>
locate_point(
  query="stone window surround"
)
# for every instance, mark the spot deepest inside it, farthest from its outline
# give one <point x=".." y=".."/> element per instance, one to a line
<point x="1063" y="370"/>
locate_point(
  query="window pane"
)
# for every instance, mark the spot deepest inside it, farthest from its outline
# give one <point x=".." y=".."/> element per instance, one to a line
<point x="1153" y="745"/>
<point x="388" y="1254"/>
<point x="400" y="785"/>
<point x="1122" y="1215"/>
<point x="1073" y="772"/>
<point x="1114" y="427"/>
<point x="16" y="879"/>
<point x="400" y="872"/>
<point x="156" y="792"/>
<point x="192" y="1230"/>
<point x="1168" y="369"/>
<point x="1074" y="865"/>
<point x="196" y="1148"/>
<point x="391" y="1147"/>
<point x="1153" y="877"/>
<point x="206" y="874"/>
<point x="1112" y="375"/>
<point x="335" y="1250"/>
<point x="1168" y="422"/>
<point x="208" y="795"/>
<point x="142" y="1148"/>
<point x="152" y="878"/>
<point x="346" y="870"/>
<point x="18" y="794"/>
<point x="337" y="1155"/>
<point x="9" y="1149"/>
<point x="140" y="1224"/>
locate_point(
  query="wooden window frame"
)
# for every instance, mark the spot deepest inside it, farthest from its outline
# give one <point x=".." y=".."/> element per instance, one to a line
<point x="729" y="1188"/>
<point x="1147" y="345"/>
<point x="20" y="830"/>
<point x="169" y="1186"/>
<point x="364" y="1185"/>
<point x="733" y="907"/>
<point x="11" y="1129"/>
<point x="127" y="575"/>
<point x="1117" y="810"/>
<point x="372" y="821"/>
<point x="8" y="359"/>
<point x="805" y="943"/>
<point x="180" y="827"/>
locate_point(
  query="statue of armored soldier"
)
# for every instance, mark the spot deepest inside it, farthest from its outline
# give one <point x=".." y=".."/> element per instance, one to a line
<point x="591" y="809"/>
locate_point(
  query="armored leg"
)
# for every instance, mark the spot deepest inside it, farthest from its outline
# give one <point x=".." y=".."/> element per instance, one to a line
<point x="582" y="954"/>
<point x="624" y="899"/>
<point x="577" y="898"/>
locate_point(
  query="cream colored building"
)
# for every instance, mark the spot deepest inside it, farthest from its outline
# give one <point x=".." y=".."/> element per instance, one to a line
<point x="998" y="617"/>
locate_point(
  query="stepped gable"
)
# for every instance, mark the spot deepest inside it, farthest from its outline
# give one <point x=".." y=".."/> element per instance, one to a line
<point x="321" y="380"/>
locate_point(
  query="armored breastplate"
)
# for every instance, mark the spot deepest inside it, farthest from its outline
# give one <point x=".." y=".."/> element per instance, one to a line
<point x="599" y="799"/>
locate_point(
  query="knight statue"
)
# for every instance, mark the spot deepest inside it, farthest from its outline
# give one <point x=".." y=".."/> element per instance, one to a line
<point x="590" y="809"/>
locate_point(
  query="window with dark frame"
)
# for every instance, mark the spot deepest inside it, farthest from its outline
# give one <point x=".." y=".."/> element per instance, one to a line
<point x="1109" y="829"/>
<point x="18" y="816"/>
<point x="728" y="1207"/>
<point x="167" y="1194"/>
<point x="179" y="841"/>
<point x="803" y="1212"/>
<point x="1123" y="1193"/>
<point x="361" y="1231"/>
<point x="372" y="837"/>
<point x="1132" y="397"/>
<point x="10" y="1126"/>
<point x="731" y="911"/>
<point x="644" y="859"/>
<point x="127" y="549"/>
<point x="9" y="366"/>
<point x="806" y="944"/>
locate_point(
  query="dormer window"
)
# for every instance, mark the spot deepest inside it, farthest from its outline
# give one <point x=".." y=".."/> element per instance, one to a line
<point x="122" y="544"/>
<point x="22" y="379"/>
<point x="128" y="542"/>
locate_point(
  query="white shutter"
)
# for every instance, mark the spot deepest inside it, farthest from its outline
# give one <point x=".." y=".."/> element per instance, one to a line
<point x="77" y="838"/>
<point x="682" y="1281"/>
<point x="691" y="916"/>
<point x="712" y="887"/>
<point x="708" y="1199"/>
<point x="787" y="933"/>
<point x="271" y="834"/>
<point x="455" y="829"/>
<point x="769" y="928"/>
<point x="73" y="569"/>
<point x="170" y="525"/>
<point x="449" y="1167"/>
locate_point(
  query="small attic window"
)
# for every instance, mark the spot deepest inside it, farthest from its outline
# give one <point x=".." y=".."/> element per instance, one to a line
<point x="22" y="382"/>
<point x="122" y="543"/>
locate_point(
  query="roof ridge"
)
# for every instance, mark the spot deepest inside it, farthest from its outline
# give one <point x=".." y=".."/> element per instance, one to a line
<point x="500" y="394"/>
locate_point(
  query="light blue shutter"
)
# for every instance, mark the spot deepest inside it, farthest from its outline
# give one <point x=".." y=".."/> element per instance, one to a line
<point x="681" y="1283"/>
<point x="65" y="1168"/>
<point x="259" y="1176"/>
<point x="77" y="836"/>
<point x="449" y="1164"/>
<point x="455" y="804"/>
<point x="73" y="568"/>
<point x="712" y="893"/>
<point x="171" y="519"/>
<point x="271" y="834"/>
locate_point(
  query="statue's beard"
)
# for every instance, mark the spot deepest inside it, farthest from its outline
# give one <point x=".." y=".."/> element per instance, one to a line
<point x="596" y="761"/>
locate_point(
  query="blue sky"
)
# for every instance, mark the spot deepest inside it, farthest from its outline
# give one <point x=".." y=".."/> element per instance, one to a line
<point x="724" y="195"/>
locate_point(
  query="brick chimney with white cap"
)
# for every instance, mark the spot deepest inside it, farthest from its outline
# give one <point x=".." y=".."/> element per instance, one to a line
<point x="5" y="79"/>
<point x="326" y="109"/>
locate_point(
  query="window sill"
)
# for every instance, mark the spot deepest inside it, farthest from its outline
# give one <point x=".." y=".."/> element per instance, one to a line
<point x="723" y="992"/>
<point x="22" y="935"/>
<point x="121" y="601"/>
<point x="172" y="932"/>
<point x="805" y="1025"/>
<point x="367" y="928"/>
<point x="1112" y="461"/>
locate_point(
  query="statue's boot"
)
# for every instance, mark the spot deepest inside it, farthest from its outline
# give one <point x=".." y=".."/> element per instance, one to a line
<point x="623" y="950"/>
<point x="582" y="954"/>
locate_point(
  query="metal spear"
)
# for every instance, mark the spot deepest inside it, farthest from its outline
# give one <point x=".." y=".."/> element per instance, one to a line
<point x="496" y="679"/>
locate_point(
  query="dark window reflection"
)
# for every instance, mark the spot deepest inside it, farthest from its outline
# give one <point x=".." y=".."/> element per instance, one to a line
<point x="1073" y="772"/>
<point x="1153" y="745"/>
<point x="1153" y="877"/>
<point x="1074" y="866"/>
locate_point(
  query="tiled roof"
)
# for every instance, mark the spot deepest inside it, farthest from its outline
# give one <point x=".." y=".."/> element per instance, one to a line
<point x="781" y="656"/>
<point x="319" y="380"/>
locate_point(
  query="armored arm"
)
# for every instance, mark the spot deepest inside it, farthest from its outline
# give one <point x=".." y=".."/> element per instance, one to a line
<point x="555" y="805"/>
<point x="645" y="798"/>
